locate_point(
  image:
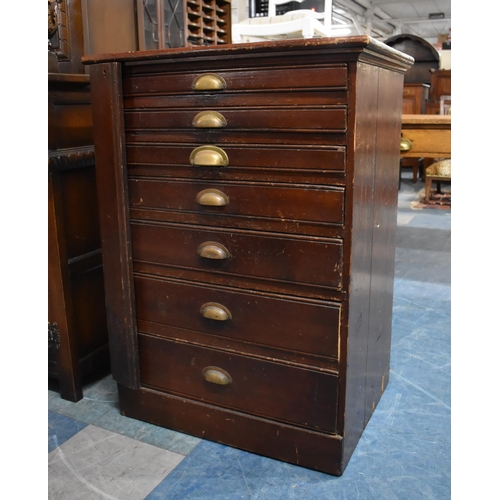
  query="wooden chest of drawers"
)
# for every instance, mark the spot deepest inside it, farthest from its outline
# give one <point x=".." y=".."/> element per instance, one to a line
<point x="248" y="200"/>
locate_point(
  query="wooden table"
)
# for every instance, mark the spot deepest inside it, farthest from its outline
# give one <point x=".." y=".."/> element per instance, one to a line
<point x="426" y="136"/>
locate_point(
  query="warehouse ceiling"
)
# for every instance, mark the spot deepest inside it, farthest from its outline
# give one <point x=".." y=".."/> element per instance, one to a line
<point x="383" y="19"/>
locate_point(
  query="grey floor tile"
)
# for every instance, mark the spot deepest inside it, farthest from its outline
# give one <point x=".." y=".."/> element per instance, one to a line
<point x="99" y="397"/>
<point x="100" y="407"/>
<point x="99" y="464"/>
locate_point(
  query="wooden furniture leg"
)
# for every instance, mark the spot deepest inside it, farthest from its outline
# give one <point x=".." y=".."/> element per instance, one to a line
<point x="428" y="183"/>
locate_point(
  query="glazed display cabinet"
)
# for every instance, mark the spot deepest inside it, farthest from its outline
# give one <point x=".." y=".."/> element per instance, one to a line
<point x="182" y="23"/>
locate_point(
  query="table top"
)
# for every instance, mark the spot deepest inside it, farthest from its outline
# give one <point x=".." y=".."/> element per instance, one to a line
<point x="427" y="119"/>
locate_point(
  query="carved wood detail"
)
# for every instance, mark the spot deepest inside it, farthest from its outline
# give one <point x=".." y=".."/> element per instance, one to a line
<point x="64" y="159"/>
<point x="58" y="29"/>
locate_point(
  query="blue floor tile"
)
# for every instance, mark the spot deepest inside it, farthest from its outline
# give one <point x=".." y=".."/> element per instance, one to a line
<point x="61" y="428"/>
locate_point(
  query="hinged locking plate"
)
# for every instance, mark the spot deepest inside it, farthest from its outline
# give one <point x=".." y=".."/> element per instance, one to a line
<point x="54" y="337"/>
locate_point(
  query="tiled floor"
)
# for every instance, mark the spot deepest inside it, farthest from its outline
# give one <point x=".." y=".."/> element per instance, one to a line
<point x="404" y="453"/>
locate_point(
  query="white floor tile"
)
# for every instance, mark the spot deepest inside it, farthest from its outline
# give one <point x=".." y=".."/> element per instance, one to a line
<point x="100" y="464"/>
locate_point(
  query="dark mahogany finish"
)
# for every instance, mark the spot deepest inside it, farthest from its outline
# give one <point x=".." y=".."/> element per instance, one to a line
<point x="75" y="275"/>
<point x="263" y="320"/>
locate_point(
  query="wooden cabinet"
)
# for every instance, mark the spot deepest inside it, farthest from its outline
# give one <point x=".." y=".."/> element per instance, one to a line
<point x="164" y="24"/>
<point x="415" y="96"/>
<point x="78" y="341"/>
<point x="426" y="136"/>
<point x="248" y="200"/>
<point x="440" y="86"/>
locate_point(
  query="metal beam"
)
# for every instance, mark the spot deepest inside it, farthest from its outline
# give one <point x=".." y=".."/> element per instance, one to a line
<point x="391" y="2"/>
<point x="417" y="20"/>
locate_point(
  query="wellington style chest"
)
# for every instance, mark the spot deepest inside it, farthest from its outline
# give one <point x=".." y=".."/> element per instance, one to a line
<point x="247" y="199"/>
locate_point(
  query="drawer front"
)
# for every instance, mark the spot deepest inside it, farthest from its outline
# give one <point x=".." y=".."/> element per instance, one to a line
<point x="224" y="252"/>
<point x="306" y="119"/>
<point x="428" y="142"/>
<point x="263" y="159"/>
<point x="284" y="203"/>
<point x="226" y="81"/>
<point x="219" y="100"/>
<point x="310" y="327"/>
<point x="293" y="138"/>
<point x="264" y="388"/>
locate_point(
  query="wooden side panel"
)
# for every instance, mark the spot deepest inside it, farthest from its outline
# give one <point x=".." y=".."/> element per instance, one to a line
<point x="361" y="165"/>
<point x="107" y="114"/>
<point x="375" y="177"/>
<point x="79" y="205"/>
<point x="384" y="236"/>
<point x="69" y="112"/>
<point x="59" y="299"/>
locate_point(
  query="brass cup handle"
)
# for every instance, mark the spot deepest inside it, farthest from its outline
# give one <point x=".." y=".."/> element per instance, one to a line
<point x="209" y="81"/>
<point x="215" y="311"/>
<point x="209" y="119"/>
<point x="213" y="250"/>
<point x="208" y="156"/>
<point x="216" y="375"/>
<point x="212" y="198"/>
<point x="405" y="144"/>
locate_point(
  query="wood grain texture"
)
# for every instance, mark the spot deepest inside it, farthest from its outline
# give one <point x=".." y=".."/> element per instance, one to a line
<point x="60" y="311"/>
<point x="359" y="247"/>
<point x="76" y="294"/>
<point x="291" y="259"/>
<point x="113" y="216"/>
<point x="256" y="386"/>
<point x="291" y="444"/>
<point x="257" y="318"/>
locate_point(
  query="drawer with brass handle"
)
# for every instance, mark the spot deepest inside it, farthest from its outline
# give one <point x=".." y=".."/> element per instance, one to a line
<point x="215" y="311"/>
<point x="280" y="258"/>
<point x="212" y="198"/>
<point x="327" y="119"/>
<point x="257" y="318"/>
<point x="208" y="81"/>
<point x="227" y="204"/>
<point x="209" y="119"/>
<point x="137" y="83"/>
<point x="208" y="156"/>
<point x="240" y="382"/>
<point x="233" y="161"/>
<point x="213" y="250"/>
<point x="216" y="375"/>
